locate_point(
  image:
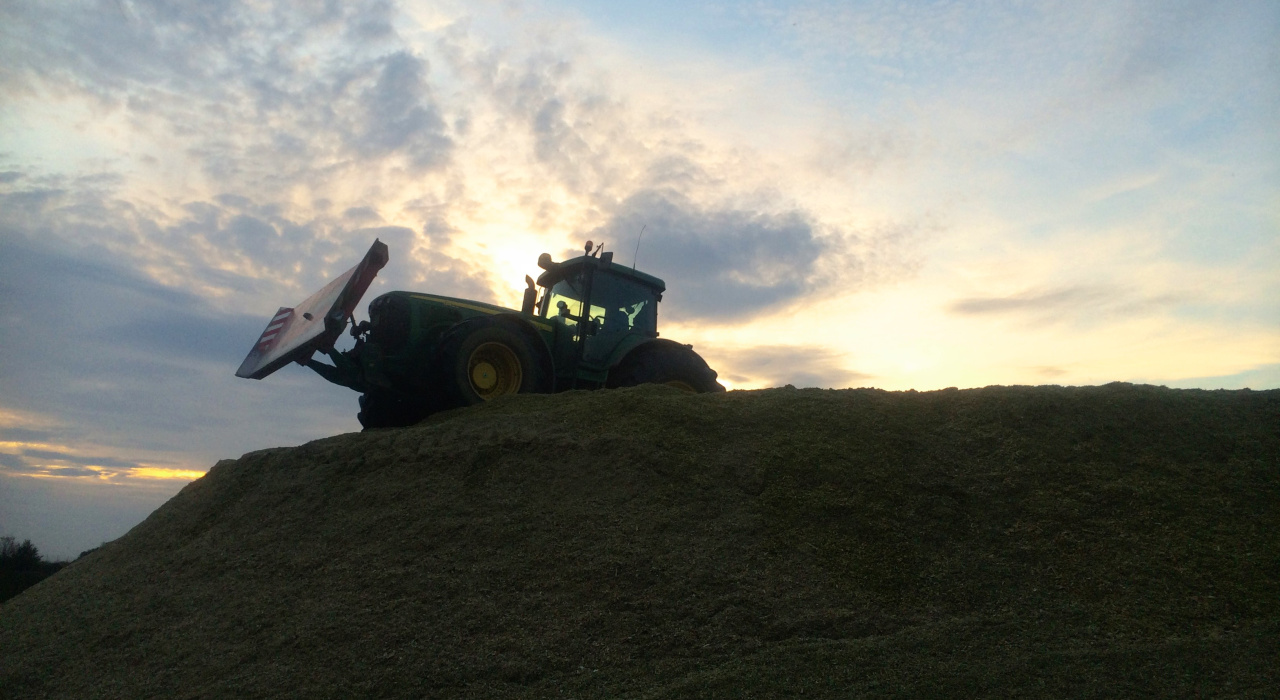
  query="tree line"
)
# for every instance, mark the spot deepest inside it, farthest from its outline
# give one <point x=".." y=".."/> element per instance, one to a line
<point x="22" y="567"/>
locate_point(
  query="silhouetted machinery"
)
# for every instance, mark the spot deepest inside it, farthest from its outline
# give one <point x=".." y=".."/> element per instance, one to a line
<point x="585" y="324"/>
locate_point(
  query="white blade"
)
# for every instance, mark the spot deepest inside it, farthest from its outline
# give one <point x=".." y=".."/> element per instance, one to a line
<point x="294" y="334"/>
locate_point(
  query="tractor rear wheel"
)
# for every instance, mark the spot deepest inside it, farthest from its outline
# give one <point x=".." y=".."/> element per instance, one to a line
<point x="484" y="359"/>
<point x="666" y="363"/>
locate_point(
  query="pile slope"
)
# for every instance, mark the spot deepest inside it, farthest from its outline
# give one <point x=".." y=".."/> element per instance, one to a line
<point x="644" y="543"/>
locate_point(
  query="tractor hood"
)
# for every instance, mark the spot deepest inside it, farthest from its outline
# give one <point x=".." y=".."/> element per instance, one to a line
<point x="295" y="334"/>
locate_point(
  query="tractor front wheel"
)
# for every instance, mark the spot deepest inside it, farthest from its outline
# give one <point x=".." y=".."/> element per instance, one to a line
<point x="483" y="360"/>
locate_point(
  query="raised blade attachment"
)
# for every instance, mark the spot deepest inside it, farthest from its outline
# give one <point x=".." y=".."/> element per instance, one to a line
<point x="295" y="334"/>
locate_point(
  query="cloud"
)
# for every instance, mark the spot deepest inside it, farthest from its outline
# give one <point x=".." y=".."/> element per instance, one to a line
<point x="287" y="110"/>
<point x="67" y="516"/>
<point x="1065" y="299"/>
<point x="1048" y="372"/>
<point x="34" y="436"/>
<point x="362" y="215"/>
<point x="422" y="264"/>
<point x="730" y="262"/>
<point x="400" y="116"/>
<point x="1082" y="303"/>
<point x="83" y="310"/>
<point x="181" y="332"/>
<point x="231" y="248"/>
<point x="141" y="370"/>
<point x="291" y="106"/>
<point x="266" y="98"/>
<point x="81" y="460"/>
<point x="125" y="361"/>
<point x="931" y="44"/>
<point x="67" y="463"/>
<point x="556" y="116"/>
<point x="778" y="365"/>
<point x="57" y="463"/>
<point x="714" y="220"/>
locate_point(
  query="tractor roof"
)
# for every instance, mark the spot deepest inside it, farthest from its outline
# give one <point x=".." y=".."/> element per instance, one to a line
<point x="560" y="270"/>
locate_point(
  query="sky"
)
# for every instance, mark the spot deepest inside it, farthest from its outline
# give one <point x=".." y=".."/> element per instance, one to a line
<point x="903" y="195"/>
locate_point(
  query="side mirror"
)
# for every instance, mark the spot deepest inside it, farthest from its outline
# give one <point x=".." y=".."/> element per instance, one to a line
<point x="544" y="261"/>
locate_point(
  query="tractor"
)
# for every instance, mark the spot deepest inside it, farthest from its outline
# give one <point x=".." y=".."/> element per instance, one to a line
<point x="586" y="323"/>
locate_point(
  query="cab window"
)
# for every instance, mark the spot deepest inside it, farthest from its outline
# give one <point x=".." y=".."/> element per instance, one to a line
<point x="617" y="304"/>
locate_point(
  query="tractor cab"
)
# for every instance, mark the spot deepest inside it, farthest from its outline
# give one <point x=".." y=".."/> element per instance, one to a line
<point x="600" y="303"/>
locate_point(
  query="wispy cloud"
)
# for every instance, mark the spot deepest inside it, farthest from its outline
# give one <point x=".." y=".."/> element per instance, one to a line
<point x="109" y="358"/>
<point x="295" y="121"/>
<point x="36" y="463"/>
<point x="779" y="365"/>
<point x="30" y="447"/>
<point x="1076" y="304"/>
<point x="729" y="262"/>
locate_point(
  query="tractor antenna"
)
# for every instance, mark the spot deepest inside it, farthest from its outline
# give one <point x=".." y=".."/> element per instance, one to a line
<point x="637" y="253"/>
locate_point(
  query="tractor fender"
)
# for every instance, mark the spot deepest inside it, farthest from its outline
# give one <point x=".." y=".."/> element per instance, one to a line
<point x="662" y="361"/>
<point x="637" y="344"/>
<point x="536" y="341"/>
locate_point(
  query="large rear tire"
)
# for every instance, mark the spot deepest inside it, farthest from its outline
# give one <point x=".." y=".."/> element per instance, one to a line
<point x="665" y="363"/>
<point x="483" y="359"/>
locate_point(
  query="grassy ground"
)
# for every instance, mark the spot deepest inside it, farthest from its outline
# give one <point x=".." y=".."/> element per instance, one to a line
<point x="642" y="543"/>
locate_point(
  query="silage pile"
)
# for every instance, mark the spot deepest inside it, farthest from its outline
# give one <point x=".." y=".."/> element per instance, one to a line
<point x="643" y="543"/>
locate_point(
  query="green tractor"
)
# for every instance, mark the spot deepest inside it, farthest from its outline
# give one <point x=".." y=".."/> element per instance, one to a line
<point x="586" y="323"/>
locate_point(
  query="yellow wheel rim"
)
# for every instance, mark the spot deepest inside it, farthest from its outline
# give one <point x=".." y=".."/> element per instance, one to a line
<point x="682" y="386"/>
<point x="494" y="370"/>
